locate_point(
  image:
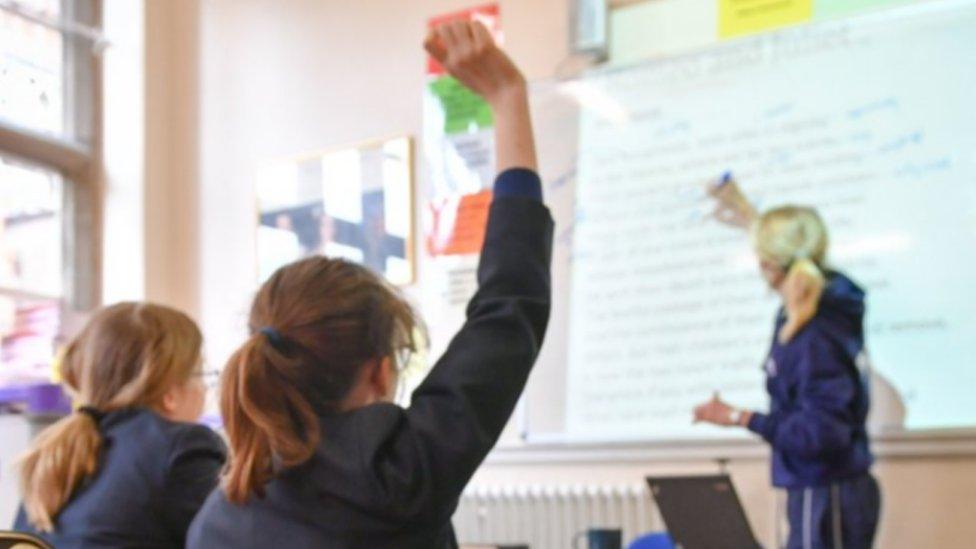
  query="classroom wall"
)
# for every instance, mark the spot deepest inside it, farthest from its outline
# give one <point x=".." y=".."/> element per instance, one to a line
<point x="282" y="78"/>
<point x="172" y="135"/>
<point x="14" y="432"/>
<point x="240" y="81"/>
<point x="279" y="79"/>
<point x="927" y="501"/>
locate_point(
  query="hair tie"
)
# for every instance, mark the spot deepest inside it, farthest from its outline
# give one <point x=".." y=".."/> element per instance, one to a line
<point x="94" y="413"/>
<point x="273" y="336"/>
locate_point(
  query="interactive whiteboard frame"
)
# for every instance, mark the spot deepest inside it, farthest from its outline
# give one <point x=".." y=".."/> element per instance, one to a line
<point x="523" y="444"/>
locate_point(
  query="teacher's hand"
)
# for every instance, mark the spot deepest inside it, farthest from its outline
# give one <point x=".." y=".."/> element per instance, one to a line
<point x="716" y="412"/>
<point x="732" y="208"/>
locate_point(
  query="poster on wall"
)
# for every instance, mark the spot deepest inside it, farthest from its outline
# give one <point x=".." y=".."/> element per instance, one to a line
<point x="743" y="17"/>
<point x="458" y="124"/>
<point x="355" y="203"/>
<point x="459" y="149"/>
<point x="826" y="9"/>
<point x="740" y="17"/>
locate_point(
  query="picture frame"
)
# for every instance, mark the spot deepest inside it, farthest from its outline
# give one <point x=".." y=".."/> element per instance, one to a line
<point x="354" y="202"/>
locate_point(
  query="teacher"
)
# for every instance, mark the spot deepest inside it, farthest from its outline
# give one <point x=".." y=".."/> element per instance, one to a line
<point x="818" y="398"/>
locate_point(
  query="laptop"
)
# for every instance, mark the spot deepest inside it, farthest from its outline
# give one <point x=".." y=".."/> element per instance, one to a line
<point x="702" y="512"/>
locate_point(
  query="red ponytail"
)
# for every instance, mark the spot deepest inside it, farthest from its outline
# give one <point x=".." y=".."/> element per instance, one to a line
<point x="315" y="324"/>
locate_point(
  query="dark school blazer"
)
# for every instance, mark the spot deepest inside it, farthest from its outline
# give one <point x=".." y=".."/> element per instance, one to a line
<point x="153" y="476"/>
<point x="385" y="476"/>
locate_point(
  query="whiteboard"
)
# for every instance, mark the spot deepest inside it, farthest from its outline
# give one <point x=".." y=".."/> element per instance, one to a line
<point x="869" y="119"/>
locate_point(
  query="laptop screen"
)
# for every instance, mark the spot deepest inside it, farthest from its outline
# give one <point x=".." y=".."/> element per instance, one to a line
<point x="702" y="512"/>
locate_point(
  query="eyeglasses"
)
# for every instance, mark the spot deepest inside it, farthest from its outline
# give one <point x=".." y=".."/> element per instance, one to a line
<point x="411" y="366"/>
<point x="209" y="374"/>
<point x="402" y="358"/>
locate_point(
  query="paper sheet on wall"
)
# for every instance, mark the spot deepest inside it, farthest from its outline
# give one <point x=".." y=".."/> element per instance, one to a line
<point x="464" y="110"/>
<point x="459" y="149"/>
<point x="836" y="8"/>
<point x="740" y="17"/>
<point x="458" y="226"/>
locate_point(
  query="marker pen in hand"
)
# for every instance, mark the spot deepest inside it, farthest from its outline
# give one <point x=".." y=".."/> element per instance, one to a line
<point x="725" y="180"/>
<point x="713" y="193"/>
<point x="705" y="212"/>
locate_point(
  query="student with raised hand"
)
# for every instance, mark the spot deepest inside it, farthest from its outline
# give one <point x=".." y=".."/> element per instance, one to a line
<point x="129" y="468"/>
<point x="818" y="397"/>
<point x="320" y="456"/>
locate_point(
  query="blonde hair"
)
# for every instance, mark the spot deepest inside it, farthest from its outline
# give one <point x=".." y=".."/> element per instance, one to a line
<point x="788" y="234"/>
<point x="128" y="355"/>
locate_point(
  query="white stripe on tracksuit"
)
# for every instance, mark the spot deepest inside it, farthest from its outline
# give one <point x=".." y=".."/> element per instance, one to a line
<point x="807" y="518"/>
<point x="835" y="517"/>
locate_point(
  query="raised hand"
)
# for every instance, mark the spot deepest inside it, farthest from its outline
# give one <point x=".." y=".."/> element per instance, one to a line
<point x="732" y="207"/>
<point x="715" y="411"/>
<point x="469" y="53"/>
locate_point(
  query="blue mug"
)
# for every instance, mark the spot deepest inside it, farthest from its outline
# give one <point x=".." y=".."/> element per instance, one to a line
<point x="601" y="538"/>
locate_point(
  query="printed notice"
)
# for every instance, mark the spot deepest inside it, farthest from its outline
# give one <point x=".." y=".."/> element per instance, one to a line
<point x="464" y="110"/>
<point x="459" y="224"/>
<point x="837" y="8"/>
<point x="740" y="17"/>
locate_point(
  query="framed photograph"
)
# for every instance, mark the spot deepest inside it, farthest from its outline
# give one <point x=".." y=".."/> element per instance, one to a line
<point x="355" y="203"/>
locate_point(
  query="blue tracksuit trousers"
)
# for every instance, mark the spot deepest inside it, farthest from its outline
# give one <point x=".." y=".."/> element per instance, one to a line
<point x="840" y="515"/>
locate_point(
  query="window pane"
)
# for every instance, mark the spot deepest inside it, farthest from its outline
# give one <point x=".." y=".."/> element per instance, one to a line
<point x="30" y="271"/>
<point x="31" y="74"/>
<point x="29" y="330"/>
<point x="48" y="8"/>
<point x="30" y="237"/>
<point x="46" y="72"/>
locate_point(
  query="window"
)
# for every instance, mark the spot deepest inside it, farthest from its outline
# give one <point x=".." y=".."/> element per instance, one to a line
<point x="30" y="237"/>
<point x="30" y="71"/>
<point x="49" y="150"/>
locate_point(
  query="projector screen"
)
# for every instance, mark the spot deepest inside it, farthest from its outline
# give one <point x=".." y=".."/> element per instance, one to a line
<point x="870" y="120"/>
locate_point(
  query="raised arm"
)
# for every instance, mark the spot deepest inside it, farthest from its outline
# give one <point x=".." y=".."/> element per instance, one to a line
<point x="459" y="411"/>
<point x="732" y="207"/>
<point x="467" y="50"/>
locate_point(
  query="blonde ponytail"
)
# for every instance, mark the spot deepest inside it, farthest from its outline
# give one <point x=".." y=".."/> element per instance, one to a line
<point x="59" y="461"/>
<point x="795" y="238"/>
<point x="790" y="234"/>
<point x="128" y="355"/>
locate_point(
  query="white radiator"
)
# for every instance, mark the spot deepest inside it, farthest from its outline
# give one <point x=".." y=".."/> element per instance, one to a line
<point x="548" y="517"/>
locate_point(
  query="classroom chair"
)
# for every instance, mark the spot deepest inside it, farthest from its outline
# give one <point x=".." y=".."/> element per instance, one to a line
<point x="19" y="540"/>
<point x="656" y="540"/>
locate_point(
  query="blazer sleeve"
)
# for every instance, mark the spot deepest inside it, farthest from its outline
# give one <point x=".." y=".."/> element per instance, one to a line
<point x="459" y="411"/>
<point x="823" y="421"/>
<point x="193" y="471"/>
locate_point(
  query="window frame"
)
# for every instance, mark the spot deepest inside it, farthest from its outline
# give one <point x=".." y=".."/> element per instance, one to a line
<point x="79" y="162"/>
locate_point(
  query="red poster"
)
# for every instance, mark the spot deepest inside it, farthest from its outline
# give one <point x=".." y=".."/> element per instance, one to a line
<point x="459" y="224"/>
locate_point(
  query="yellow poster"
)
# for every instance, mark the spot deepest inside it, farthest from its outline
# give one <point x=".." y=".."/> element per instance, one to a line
<point x="739" y="17"/>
